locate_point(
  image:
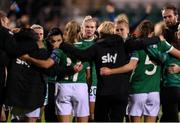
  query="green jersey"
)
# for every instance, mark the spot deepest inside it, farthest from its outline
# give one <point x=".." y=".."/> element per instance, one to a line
<point x="169" y="79"/>
<point x="86" y="44"/>
<point x="79" y="77"/>
<point x="57" y="55"/>
<point x="146" y="77"/>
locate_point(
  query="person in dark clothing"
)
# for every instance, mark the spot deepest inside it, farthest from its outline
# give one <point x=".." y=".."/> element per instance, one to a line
<point x="8" y="48"/>
<point x="170" y="17"/>
<point x="112" y="91"/>
<point x="29" y="90"/>
<point x="5" y="45"/>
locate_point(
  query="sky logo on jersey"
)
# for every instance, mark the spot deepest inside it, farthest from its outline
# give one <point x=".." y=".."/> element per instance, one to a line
<point x="21" y="62"/>
<point x="109" y="58"/>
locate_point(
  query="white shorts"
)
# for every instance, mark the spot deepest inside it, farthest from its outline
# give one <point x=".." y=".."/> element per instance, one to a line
<point x="35" y="113"/>
<point x="18" y="112"/>
<point x="144" y="104"/>
<point x="92" y="94"/>
<point x="72" y="98"/>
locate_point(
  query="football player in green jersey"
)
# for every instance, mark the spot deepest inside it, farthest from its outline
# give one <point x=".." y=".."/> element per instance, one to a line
<point x="88" y="38"/>
<point x="72" y="91"/>
<point x="170" y="90"/>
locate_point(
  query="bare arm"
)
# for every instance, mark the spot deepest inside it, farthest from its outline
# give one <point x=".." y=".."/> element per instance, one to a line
<point x="40" y="63"/>
<point x="124" y="69"/>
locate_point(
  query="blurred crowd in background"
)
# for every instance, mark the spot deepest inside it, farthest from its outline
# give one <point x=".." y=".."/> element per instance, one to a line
<point x="51" y="13"/>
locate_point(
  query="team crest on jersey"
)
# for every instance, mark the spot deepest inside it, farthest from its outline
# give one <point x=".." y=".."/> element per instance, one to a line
<point x="154" y="46"/>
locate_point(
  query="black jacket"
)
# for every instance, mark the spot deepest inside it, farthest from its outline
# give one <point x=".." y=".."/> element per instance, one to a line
<point x="109" y="51"/>
<point x="26" y="86"/>
<point x="7" y="41"/>
<point x="9" y="48"/>
<point x="7" y="45"/>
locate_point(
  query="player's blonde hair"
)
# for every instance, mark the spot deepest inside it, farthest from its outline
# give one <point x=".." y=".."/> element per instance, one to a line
<point x="106" y="27"/>
<point x="36" y="26"/>
<point x="88" y="19"/>
<point x="71" y="33"/>
<point x="121" y="17"/>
